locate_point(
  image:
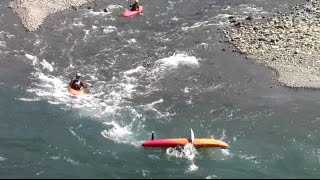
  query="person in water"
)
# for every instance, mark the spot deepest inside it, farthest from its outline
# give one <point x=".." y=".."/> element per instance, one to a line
<point x="134" y="6"/>
<point x="76" y="83"/>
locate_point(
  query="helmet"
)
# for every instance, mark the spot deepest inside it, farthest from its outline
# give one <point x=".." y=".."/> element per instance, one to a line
<point x="78" y="75"/>
<point x="137" y="1"/>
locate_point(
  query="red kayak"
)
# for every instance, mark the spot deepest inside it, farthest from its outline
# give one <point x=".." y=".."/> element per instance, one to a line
<point x="197" y="143"/>
<point x="129" y="13"/>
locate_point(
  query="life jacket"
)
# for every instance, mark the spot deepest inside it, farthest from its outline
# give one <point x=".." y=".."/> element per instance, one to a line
<point x="134" y="6"/>
<point x="76" y="84"/>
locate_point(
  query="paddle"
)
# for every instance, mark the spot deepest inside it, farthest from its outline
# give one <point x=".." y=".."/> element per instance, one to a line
<point x="88" y="84"/>
<point x="192" y="136"/>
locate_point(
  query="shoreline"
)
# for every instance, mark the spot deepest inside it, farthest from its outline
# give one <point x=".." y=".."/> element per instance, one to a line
<point x="32" y="13"/>
<point x="287" y="43"/>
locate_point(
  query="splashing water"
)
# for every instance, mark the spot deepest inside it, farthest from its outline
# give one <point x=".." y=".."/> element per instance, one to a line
<point x="109" y="101"/>
<point x="188" y="152"/>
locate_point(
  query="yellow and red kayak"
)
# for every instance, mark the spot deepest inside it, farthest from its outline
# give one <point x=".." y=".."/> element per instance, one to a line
<point x="197" y="143"/>
<point x="76" y="92"/>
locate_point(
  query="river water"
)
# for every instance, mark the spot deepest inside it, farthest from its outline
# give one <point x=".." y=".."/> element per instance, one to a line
<point x="167" y="70"/>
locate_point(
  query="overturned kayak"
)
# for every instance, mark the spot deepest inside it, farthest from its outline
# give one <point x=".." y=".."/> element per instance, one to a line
<point x="76" y="92"/>
<point x="174" y="142"/>
<point x="197" y="143"/>
<point x="129" y="13"/>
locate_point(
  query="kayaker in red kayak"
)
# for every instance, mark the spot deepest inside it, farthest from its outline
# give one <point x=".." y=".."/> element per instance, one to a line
<point x="76" y="83"/>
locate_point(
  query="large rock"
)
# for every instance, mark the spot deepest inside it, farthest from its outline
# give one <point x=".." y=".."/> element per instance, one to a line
<point x="289" y="43"/>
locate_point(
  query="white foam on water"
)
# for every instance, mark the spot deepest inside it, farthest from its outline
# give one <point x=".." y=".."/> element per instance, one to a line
<point x="46" y="65"/>
<point x="32" y="58"/>
<point x="186" y="90"/>
<point x="10" y="36"/>
<point x="132" y="79"/>
<point x="2" y="34"/>
<point x="29" y="99"/>
<point x="154" y="157"/>
<point x="226" y="152"/>
<point x="80" y="139"/>
<point x="215" y="87"/>
<point x="78" y="24"/>
<point x="2" y="50"/>
<point x="204" y="44"/>
<point x="195" y="25"/>
<point x="223" y="19"/>
<point x="171" y="5"/>
<point x="38" y="173"/>
<point x="111" y="9"/>
<point x="179" y="59"/>
<point x="167" y="65"/>
<point x="227" y="8"/>
<point x="109" y="29"/>
<point x="193" y="167"/>
<point x="86" y="34"/>
<point x="52" y="88"/>
<point x="175" y="19"/>
<point x="71" y="161"/>
<point x="54" y="157"/>
<point x="188" y="152"/>
<point x="219" y="20"/>
<point x="114" y="6"/>
<point x="119" y="134"/>
<point x="145" y="173"/>
<point x="212" y="177"/>
<point x="315" y="154"/>
<point x="249" y="8"/>
<point x="250" y="158"/>
<point x="131" y="41"/>
<point x="37" y="42"/>
<point x="107" y="101"/>
<point x="2" y="158"/>
<point x="161" y="68"/>
<point x="224" y="16"/>
<point x="150" y="107"/>
<point x="91" y="13"/>
<point x="2" y="44"/>
<point x="223" y="134"/>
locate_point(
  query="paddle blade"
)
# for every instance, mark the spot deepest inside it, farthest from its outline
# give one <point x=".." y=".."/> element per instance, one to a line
<point x="192" y="135"/>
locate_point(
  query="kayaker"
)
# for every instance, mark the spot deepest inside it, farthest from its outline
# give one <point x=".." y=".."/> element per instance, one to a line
<point x="76" y="83"/>
<point x="134" y="6"/>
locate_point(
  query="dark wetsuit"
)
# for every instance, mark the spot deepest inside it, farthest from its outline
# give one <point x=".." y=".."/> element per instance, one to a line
<point x="134" y="6"/>
<point x="77" y="84"/>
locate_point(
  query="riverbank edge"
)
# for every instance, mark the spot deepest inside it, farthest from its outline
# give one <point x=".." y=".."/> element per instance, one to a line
<point x="33" y="13"/>
<point x="285" y="42"/>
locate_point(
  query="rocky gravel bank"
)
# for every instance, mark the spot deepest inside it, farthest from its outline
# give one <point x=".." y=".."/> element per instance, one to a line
<point x="33" y="12"/>
<point x="288" y="43"/>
